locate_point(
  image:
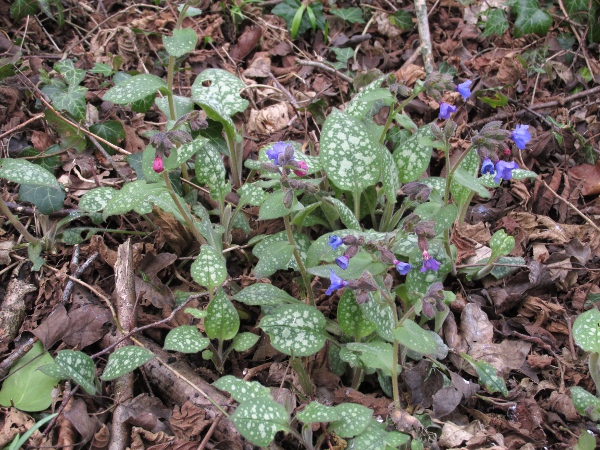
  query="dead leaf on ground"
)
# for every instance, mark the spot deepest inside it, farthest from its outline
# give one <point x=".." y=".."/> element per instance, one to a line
<point x="269" y="120"/>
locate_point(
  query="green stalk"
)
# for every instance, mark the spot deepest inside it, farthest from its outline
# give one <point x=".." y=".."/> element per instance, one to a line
<point x="303" y="272"/>
<point x="356" y="196"/>
<point x="395" y="389"/>
<point x="188" y="219"/>
<point x="390" y="118"/>
<point x="171" y="69"/>
<point x="18" y="225"/>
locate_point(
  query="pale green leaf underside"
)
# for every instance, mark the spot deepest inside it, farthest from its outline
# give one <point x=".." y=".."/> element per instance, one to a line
<point x="185" y="339"/>
<point x="124" y="360"/>
<point x="295" y="329"/>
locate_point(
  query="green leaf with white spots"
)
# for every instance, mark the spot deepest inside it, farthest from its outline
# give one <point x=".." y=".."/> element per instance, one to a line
<point x="351" y="318"/>
<point x="435" y="183"/>
<point x="183" y="41"/>
<point x="70" y="74"/>
<point x="297" y="330"/>
<point x="273" y="207"/>
<point x="357" y="265"/>
<point x="354" y="419"/>
<point x="133" y="89"/>
<point x="251" y="194"/>
<point x="375" y="437"/>
<point x="502" y="271"/>
<point x="585" y="403"/>
<point x="445" y="217"/>
<point x="349" y="154"/>
<point x="79" y="367"/>
<point x="316" y="412"/>
<point x="125" y="360"/>
<point x="244" y="341"/>
<point x="222" y="321"/>
<point x="517" y="174"/>
<point x="586" y="330"/>
<point x="264" y="251"/>
<point x="52" y="371"/>
<point x="182" y="154"/>
<point x="375" y="355"/>
<point x="311" y="161"/>
<point x="259" y="420"/>
<point x="488" y="376"/>
<point x="183" y="106"/>
<point x="210" y="171"/>
<point x="263" y="294"/>
<point x="415" y="338"/>
<point x="242" y="390"/>
<point x="278" y="258"/>
<point x="96" y="199"/>
<point x="185" y="339"/>
<point x="413" y="155"/>
<point x="470" y="166"/>
<point x="352" y="358"/>
<point x="218" y="88"/>
<point x="364" y="104"/>
<point x="466" y="180"/>
<point x="501" y="244"/>
<point x="209" y="268"/>
<point x="381" y="315"/>
<point x="346" y="215"/>
<point x="389" y="176"/>
<point x="137" y="196"/>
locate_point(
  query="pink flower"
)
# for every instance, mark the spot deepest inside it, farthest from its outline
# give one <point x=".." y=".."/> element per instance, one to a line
<point x="158" y="166"/>
<point x="302" y="169"/>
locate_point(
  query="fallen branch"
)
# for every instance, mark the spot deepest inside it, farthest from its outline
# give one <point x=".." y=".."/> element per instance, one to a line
<point x="424" y="35"/>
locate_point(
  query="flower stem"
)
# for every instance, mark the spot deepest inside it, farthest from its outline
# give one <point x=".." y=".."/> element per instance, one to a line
<point x="395" y="390"/>
<point x="303" y="272"/>
<point x="390" y="118"/>
<point x="188" y="219"/>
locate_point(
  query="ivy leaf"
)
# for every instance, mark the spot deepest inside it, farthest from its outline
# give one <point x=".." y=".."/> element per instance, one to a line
<point x="403" y="20"/>
<point x="70" y="74"/>
<point x="354" y="419"/>
<point x="22" y="8"/>
<point x="496" y="23"/>
<point x="111" y="130"/>
<point x="79" y="367"/>
<point x="222" y="320"/>
<point x="124" y="360"/>
<point x="530" y="18"/>
<point x="70" y="136"/>
<point x="221" y="90"/>
<point x="102" y="69"/>
<point x="297" y="330"/>
<point x="242" y="390"/>
<point x="263" y="294"/>
<point x="183" y="41"/>
<point x="487" y="376"/>
<point x="415" y="338"/>
<point x="185" y="339"/>
<point x="259" y="420"/>
<point x="352" y="15"/>
<point x="70" y="98"/>
<point x="351" y="318"/>
<point x="349" y="154"/>
<point x="134" y="89"/>
<point x="413" y="155"/>
<point x="586" y="331"/>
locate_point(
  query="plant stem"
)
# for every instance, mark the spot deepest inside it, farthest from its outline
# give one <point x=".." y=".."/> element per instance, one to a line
<point x="390" y="118"/>
<point x="188" y="219"/>
<point x="395" y="390"/>
<point x="303" y="272"/>
<point x="356" y="196"/>
<point x="171" y="69"/>
<point x="15" y="222"/>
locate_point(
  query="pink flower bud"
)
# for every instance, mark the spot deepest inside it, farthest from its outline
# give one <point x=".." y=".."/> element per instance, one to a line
<point x="158" y="165"/>
<point x="302" y="169"/>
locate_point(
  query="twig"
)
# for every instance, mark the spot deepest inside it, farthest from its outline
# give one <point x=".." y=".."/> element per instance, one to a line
<point x="80" y="269"/>
<point x="579" y="38"/>
<point x="424" y="35"/>
<point x="29" y="211"/>
<point x="22" y="125"/>
<point x="109" y="159"/>
<point x="326" y="68"/>
<point x="11" y="359"/>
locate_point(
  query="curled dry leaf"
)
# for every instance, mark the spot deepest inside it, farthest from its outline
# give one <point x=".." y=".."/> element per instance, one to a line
<point x="269" y="120"/>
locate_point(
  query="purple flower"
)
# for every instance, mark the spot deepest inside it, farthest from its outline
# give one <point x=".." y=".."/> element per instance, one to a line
<point x="521" y="136"/>
<point x="504" y="170"/>
<point x="302" y="169"/>
<point x="402" y="267"/>
<point x="276" y="150"/>
<point x="446" y="110"/>
<point x="487" y="167"/>
<point x="336" y="283"/>
<point x="463" y="89"/>
<point x="335" y="241"/>
<point x="158" y="166"/>
<point x="342" y="262"/>
<point x="429" y="263"/>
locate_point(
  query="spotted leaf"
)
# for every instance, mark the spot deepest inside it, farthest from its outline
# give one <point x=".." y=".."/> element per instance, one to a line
<point x="244" y="341"/>
<point x="251" y="194"/>
<point x="96" y="199"/>
<point x="183" y="153"/>
<point x="351" y="318"/>
<point x="316" y="412"/>
<point x="375" y="355"/>
<point x="209" y="268"/>
<point x="185" y="339"/>
<point x="354" y="419"/>
<point x="210" y="171"/>
<point x="488" y="376"/>
<point x="258" y="420"/>
<point x="79" y="367"/>
<point x="415" y="338"/>
<point x="501" y="244"/>
<point x="222" y="321"/>
<point x="297" y="330"/>
<point x="413" y="155"/>
<point x="346" y="215"/>
<point x="134" y="89"/>
<point x="586" y="330"/>
<point x="263" y="294"/>
<point x="375" y="437"/>
<point x="242" y="390"/>
<point x="221" y="90"/>
<point x="124" y="360"/>
<point x="585" y="403"/>
<point x="183" y="41"/>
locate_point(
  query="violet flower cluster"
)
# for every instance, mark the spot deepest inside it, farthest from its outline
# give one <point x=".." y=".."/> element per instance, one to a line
<point x="447" y="109"/>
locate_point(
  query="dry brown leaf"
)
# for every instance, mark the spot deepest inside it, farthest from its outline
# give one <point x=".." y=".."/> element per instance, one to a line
<point x="590" y="174"/>
<point x="260" y="67"/>
<point x="188" y="421"/>
<point x="268" y="120"/>
<point x="455" y="435"/>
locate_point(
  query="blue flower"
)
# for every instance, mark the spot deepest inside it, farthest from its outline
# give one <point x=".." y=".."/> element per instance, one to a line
<point x="504" y="170"/>
<point x="487" y="167"/>
<point x="342" y="262"/>
<point x="521" y="136"/>
<point x="429" y="263"/>
<point x="446" y="110"/>
<point x="276" y="150"/>
<point x="336" y="283"/>
<point x="402" y="267"/>
<point x="463" y="89"/>
<point x="335" y="241"/>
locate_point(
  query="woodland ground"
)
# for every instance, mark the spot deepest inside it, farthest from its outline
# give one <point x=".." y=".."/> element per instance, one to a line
<point x="524" y="320"/>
